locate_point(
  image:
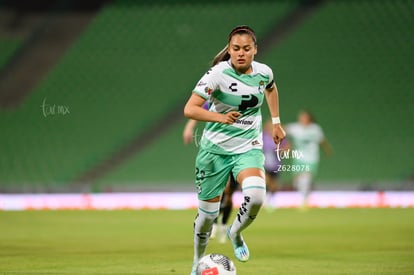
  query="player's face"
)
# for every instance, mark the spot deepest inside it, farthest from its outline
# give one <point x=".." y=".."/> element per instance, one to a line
<point x="304" y="118"/>
<point x="242" y="50"/>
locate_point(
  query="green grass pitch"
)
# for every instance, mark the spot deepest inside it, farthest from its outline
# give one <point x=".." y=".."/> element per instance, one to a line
<point x="286" y="241"/>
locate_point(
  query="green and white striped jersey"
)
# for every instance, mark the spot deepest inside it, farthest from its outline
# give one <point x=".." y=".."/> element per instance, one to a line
<point x="226" y="91"/>
<point x="306" y="140"/>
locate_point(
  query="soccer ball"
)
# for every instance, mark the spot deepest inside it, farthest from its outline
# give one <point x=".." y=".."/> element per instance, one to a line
<point x="215" y="264"/>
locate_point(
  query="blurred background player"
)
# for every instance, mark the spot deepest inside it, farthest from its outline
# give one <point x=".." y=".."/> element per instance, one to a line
<point x="226" y="203"/>
<point x="219" y="229"/>
<point x="306" y="136"/>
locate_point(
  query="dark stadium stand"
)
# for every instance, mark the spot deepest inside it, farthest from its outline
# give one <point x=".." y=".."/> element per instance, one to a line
<point x="7" y="49"/>
<point x="350" y="62"/>
<point x="132" y="66"/>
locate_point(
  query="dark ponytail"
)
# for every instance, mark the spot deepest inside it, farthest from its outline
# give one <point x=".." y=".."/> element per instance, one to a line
<point x="223" y="55"/>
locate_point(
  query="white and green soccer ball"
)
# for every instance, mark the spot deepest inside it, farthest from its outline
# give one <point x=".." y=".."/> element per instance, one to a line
<point x="215" y="264"/>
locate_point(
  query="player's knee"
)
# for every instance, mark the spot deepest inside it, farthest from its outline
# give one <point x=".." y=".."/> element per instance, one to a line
<point x="254" y="187"/>
<point x="209" y="210"/>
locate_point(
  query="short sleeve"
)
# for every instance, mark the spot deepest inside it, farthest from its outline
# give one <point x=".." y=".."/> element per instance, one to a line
<point x="271" y="79"/>
<point x="207" y="84"/>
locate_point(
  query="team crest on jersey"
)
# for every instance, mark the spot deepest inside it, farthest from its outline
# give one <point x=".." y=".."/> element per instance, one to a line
<point x="261" y="86"/>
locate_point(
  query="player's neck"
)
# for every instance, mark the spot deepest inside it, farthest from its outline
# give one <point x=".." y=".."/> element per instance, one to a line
<point x="240" y="71"/>
<point x="244" y="71"/>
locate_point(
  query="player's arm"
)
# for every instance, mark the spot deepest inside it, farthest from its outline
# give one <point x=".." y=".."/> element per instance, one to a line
<point x="189" y="131"/>
<point x="326" y="147"/>
<point x="194" y="110"/>
<point x="272" y="99"/>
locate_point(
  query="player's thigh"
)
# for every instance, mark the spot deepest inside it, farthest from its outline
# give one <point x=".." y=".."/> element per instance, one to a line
<point x="249" y="164"/>
<point x="212" y="173"/>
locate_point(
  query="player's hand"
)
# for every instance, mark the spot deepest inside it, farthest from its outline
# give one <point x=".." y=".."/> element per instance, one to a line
<point x="230" y="117"/>
<point x="187" y="136"/>
<point x="278" y="133"/>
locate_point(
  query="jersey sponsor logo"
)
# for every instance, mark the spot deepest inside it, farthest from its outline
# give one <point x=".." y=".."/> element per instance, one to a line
<point x="248" y="101"/>
<point x="232" y="87"/>
<point x="244" y="122"/>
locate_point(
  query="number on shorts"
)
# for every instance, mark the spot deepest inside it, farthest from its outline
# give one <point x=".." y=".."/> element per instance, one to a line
<point x="199" y="174"/>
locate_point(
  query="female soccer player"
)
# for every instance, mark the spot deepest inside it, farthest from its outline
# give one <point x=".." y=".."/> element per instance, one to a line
<point x="232" y="138"/>
<point x="306" y="137"/>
